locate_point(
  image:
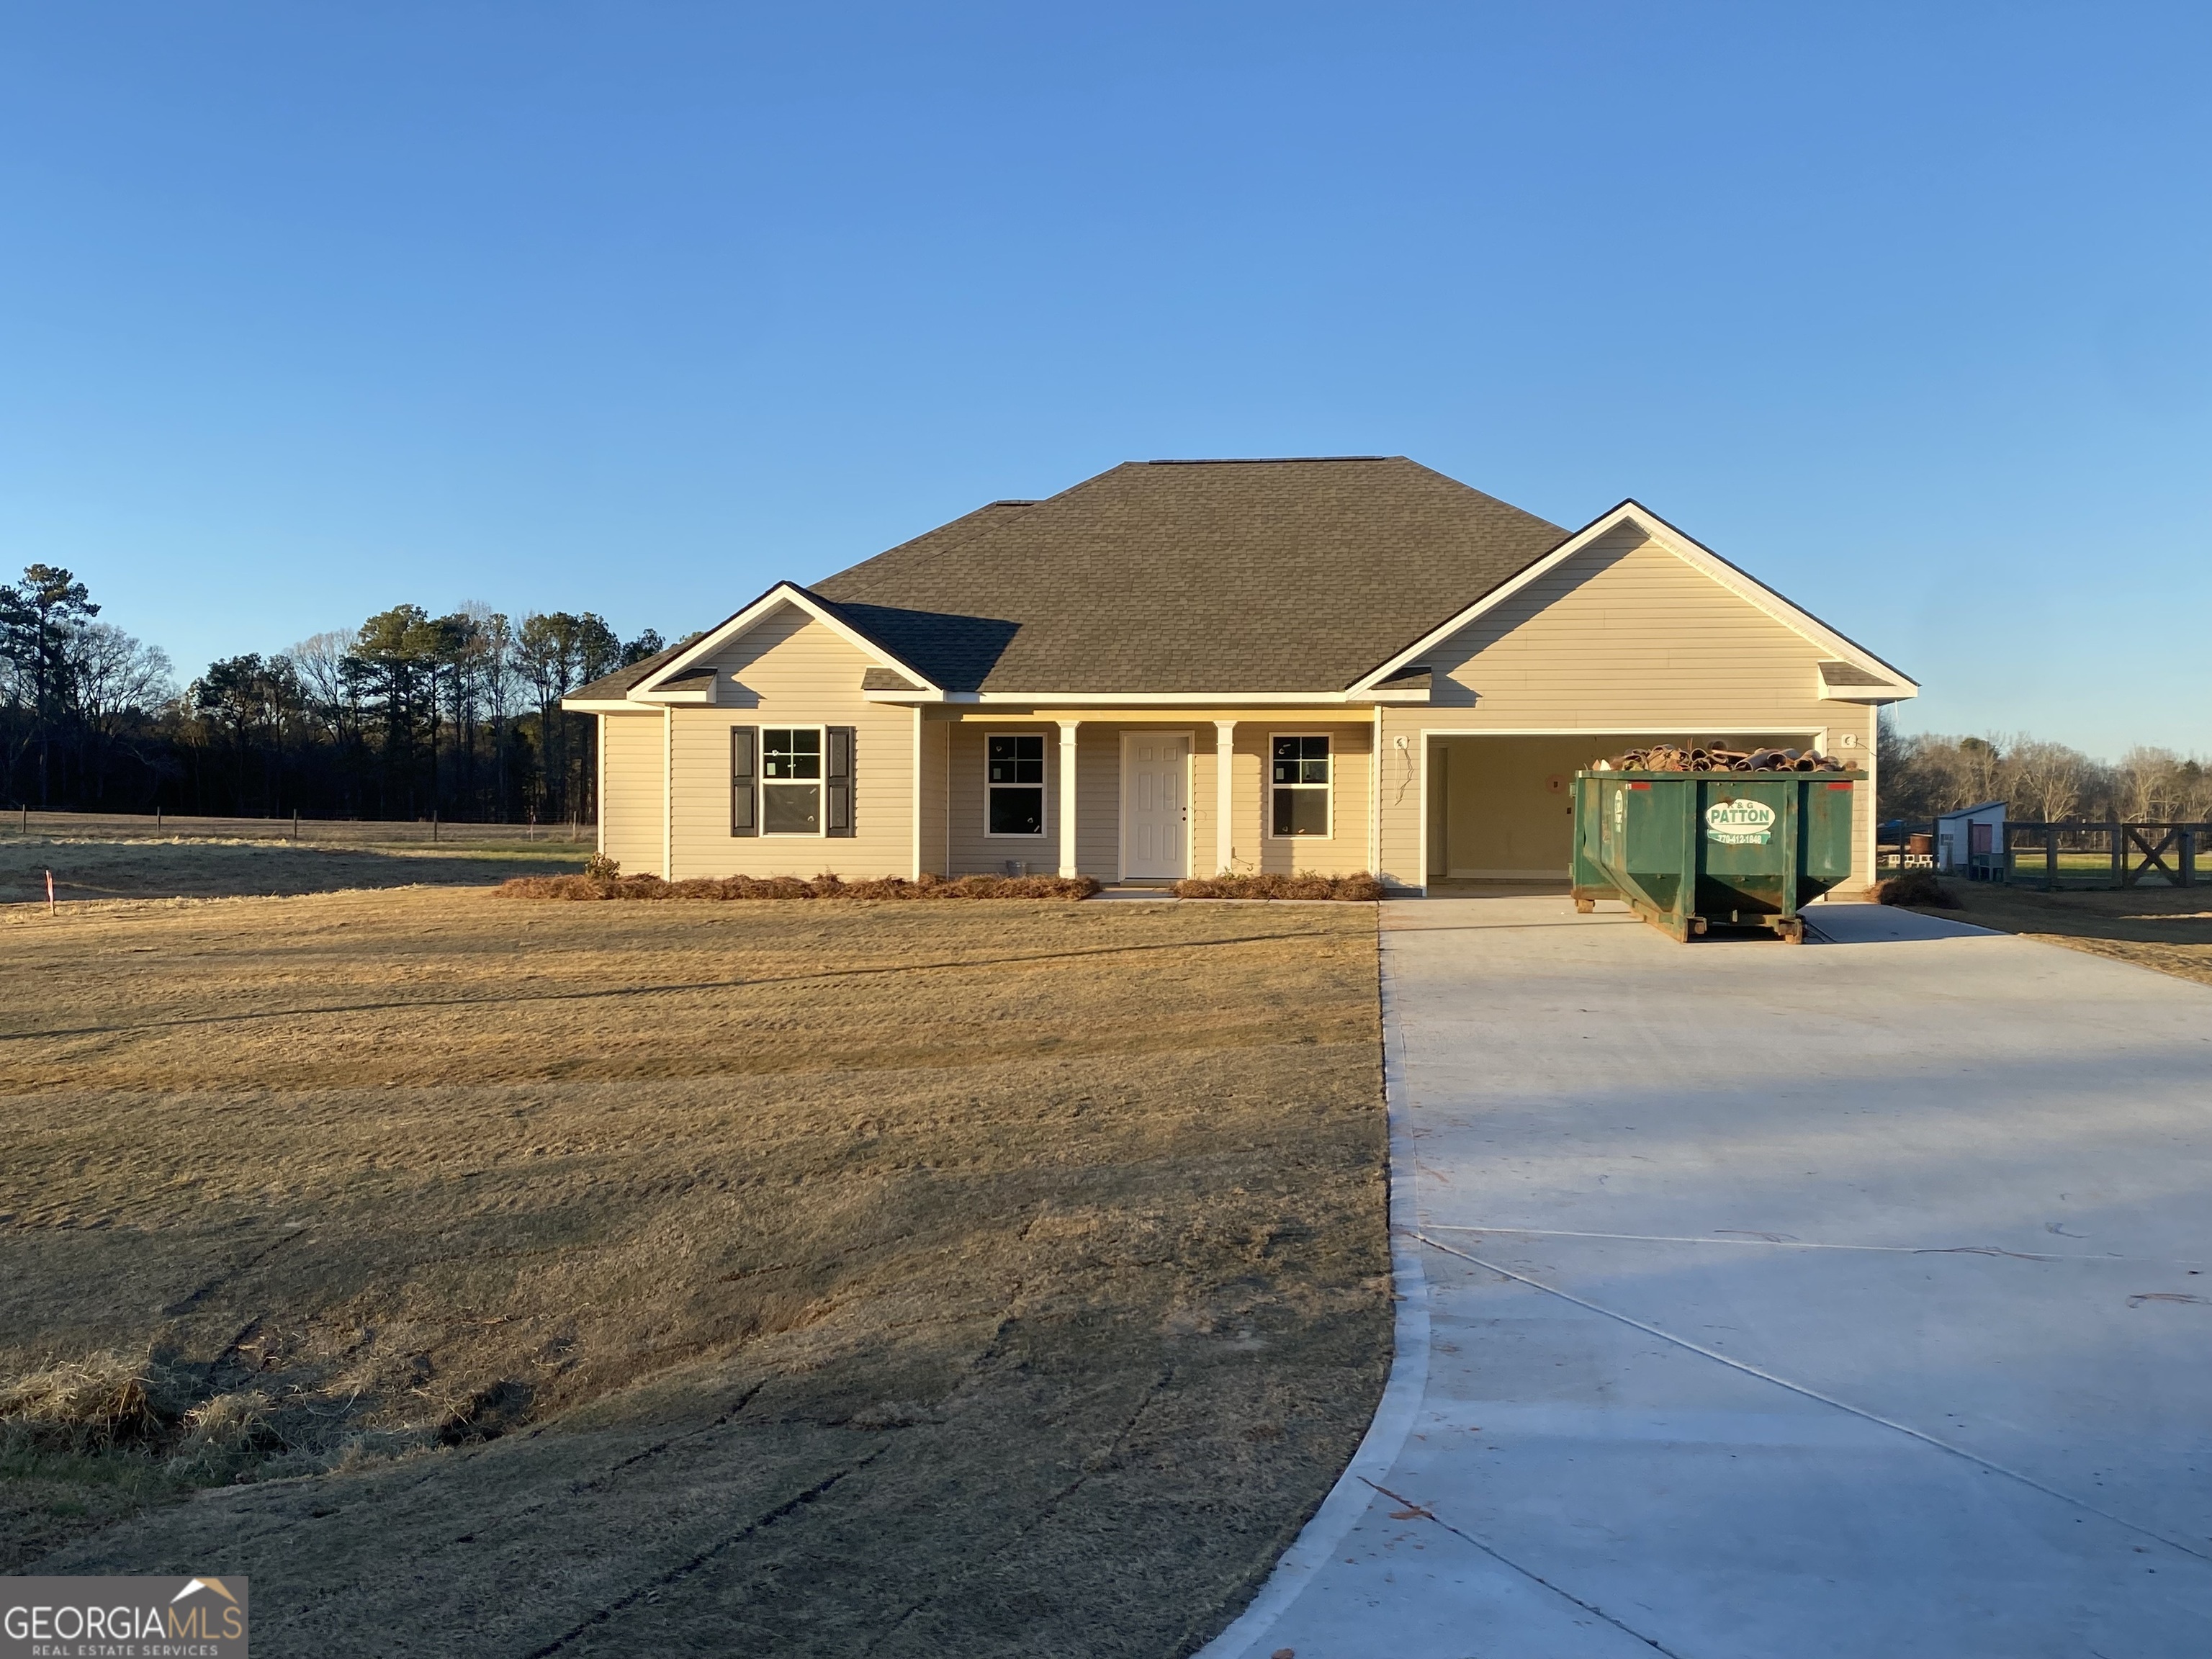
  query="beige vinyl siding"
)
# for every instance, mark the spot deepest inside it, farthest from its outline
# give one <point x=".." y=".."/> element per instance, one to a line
<point x="631" y="802"/>
<point x="1624" y="637"/>
<point x="790" y="669"/>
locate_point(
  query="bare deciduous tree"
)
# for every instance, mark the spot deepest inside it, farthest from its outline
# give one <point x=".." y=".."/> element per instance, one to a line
<point x="1922" y="774"/>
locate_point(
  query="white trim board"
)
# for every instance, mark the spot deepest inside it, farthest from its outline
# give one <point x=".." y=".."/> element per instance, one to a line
<point x="914" y="799"/>
<point x="1691" y="552"/>
<point x="1172" y="701"/>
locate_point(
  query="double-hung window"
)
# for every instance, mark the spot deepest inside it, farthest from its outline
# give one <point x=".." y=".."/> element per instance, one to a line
<point x="791" y="779"/>
<point x="1298" y="787"/>
<point x="1014" y="784"/>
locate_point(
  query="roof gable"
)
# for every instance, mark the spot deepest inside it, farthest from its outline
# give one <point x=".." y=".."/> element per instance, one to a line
<point x="1848" y="664"/>
<point x="673" y="667"/>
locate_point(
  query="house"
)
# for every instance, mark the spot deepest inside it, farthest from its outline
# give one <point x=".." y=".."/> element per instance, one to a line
<point x="1182" y="667"/>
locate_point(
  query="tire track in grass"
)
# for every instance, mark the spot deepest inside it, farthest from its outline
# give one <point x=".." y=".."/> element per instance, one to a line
<point x="782" y="1511"/>
<point x="421" y="1004"/>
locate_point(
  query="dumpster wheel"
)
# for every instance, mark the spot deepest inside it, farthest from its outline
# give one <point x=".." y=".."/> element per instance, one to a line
<point x="1791" y="931"/>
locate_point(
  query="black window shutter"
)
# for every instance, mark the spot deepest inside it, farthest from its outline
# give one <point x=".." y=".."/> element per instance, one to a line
<point x="837" y="779"/>
<point x="744" y="782"/>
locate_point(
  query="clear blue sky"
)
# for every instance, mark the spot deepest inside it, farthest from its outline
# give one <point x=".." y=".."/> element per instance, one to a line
<point x="307" y="310"/>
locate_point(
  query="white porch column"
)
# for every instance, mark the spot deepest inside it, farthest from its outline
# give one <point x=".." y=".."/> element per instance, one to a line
<point x="1224" y="795"/>
<point x="1067" y="796"/>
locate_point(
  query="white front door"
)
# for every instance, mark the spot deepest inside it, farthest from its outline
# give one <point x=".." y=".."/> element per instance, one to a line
<point x="1155" y="803"/>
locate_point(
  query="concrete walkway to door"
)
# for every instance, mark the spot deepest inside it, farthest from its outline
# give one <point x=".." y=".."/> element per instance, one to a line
<point x="1774" y="1302"/>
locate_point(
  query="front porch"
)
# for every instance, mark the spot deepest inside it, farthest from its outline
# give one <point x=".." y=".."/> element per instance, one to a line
<point x="1147" y="795"/>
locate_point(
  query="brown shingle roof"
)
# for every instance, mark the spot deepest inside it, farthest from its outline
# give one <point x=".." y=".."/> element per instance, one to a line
<point x="1192" y="576"/>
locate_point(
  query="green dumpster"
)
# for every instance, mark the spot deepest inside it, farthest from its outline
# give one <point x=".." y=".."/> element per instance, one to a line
<point x="1693" y="851"/>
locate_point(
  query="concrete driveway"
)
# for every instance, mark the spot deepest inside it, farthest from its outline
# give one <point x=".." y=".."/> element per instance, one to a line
<point x="1853" y="1299"/>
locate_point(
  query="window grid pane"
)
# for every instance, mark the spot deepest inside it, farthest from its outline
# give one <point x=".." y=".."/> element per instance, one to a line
<point x="791" y="809"/>
<point x="1016" y="760"/>
<point x="1301" y="811"/>
<point x="1018" y="811"/>
<point x="1301" y="760"/>
<point x="791" y="753"/>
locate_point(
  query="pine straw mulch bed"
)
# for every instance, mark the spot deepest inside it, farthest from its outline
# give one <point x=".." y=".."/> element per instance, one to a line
<point x="1916" y="890"/>
<point x="589" y="887"/>
<point x="1362" y="888"/>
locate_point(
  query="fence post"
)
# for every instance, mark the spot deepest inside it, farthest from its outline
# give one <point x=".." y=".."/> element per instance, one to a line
<point x="2119" y="856"/>
<point x="433" y="824"/>
<point x="295" y="824"/>
<point x="2050" y="858"/>
<point x="2188" y="857"/>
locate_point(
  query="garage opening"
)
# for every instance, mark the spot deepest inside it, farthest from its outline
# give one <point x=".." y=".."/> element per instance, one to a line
<point x="1502" y="809"/>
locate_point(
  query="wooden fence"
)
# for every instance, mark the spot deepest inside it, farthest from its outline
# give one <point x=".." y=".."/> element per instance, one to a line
<point x="2053" y="856"/>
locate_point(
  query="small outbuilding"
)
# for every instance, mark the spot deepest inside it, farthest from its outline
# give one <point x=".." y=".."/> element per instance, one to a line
<point x="1186" y="667"/>
<point x="1971" y="842"/>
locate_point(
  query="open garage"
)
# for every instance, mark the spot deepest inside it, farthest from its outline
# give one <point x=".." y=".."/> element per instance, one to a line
<point x="1501" y="806"/>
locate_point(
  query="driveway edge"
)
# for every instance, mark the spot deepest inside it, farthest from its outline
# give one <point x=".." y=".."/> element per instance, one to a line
<point x="1348" y="1499"/>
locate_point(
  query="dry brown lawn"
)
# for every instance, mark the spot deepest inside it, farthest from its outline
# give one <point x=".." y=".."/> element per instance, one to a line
<point x="2167" y="928"/>
<point x="802" y="1278"/>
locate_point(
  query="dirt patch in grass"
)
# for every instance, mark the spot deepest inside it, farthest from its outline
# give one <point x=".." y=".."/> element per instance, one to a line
<point x="115" y="869"/>
<point x="2165" y="928"/>
<point x="898" y="1278"/>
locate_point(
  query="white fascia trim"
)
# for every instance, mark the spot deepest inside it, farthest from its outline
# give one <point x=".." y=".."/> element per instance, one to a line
<point x="603" y="706"/>
<point x="1165" y="699"/>
<point x="662" y="699"/>
<point x="1149" y="699"/>
<point x="782" y="594"/>
<point x="1719" y="728"/>
<point x="1694" y="553"/>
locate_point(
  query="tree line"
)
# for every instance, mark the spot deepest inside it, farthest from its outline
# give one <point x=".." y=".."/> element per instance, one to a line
<point x="1919" y="775"/>
<point x="409" y="716"/>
